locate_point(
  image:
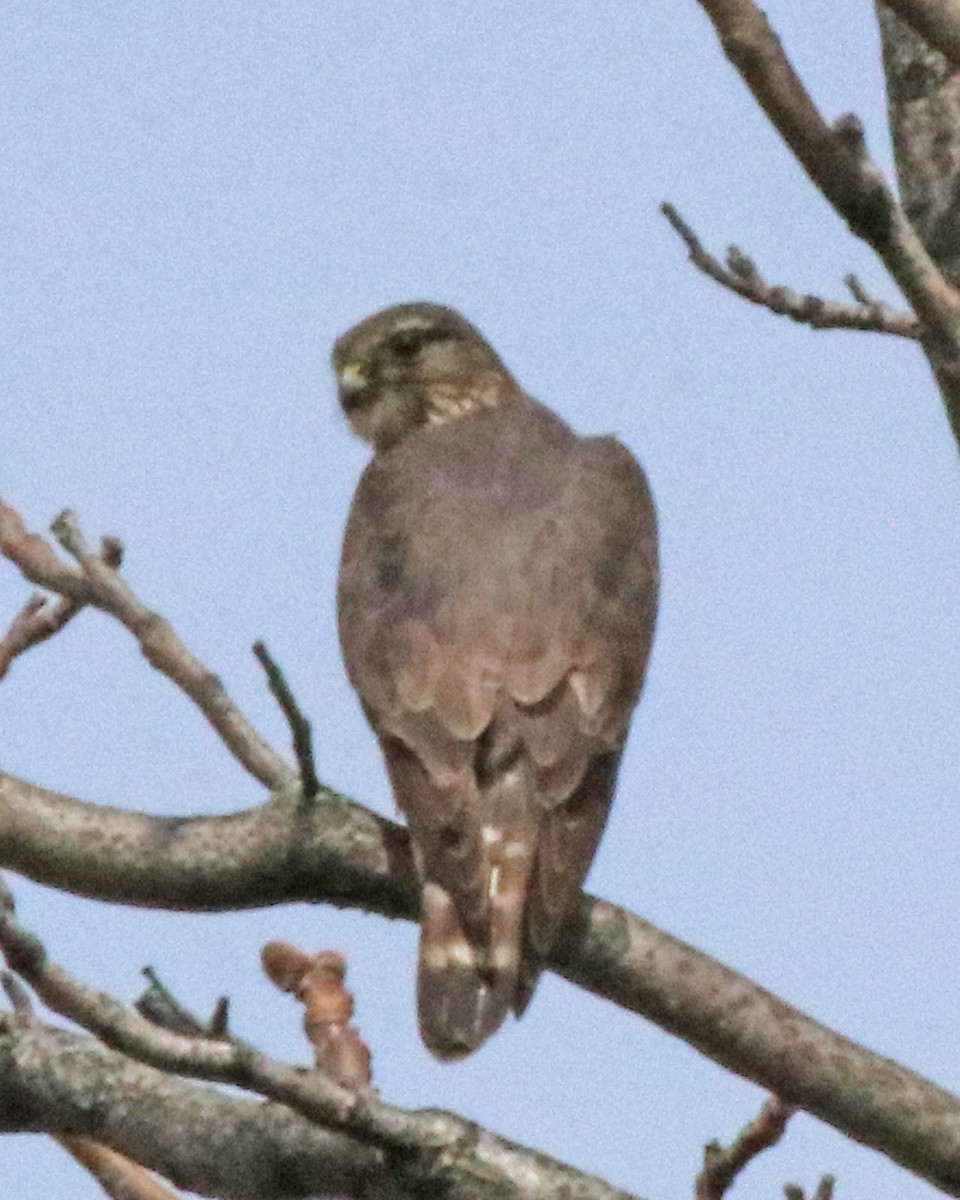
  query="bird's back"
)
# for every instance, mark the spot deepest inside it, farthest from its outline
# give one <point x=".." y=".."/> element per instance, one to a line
<point x="497" y="592"/>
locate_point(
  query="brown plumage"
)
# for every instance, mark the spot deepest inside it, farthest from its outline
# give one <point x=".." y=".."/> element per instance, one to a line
<point x="496" y="604"/>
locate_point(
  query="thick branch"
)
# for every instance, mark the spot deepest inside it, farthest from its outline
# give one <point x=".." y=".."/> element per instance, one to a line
<point x="937" y="22"/>
<point x="432" y="1153"/>
<point x="289" y="849"/>
<point x="752" y="1032"/>
<point x="922" y="101"/>
<point x="835" y="159"/>
<point x="61" y="1083"/>
<point x="342" y="853"/>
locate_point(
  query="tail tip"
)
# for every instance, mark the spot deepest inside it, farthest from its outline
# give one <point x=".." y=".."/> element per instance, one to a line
<point x="459" y="1008"/>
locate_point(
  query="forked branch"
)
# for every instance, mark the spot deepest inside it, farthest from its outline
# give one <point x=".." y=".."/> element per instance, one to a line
<point x="96" y="582"/>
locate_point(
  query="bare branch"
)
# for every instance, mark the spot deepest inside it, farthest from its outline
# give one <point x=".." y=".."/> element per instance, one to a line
<point x="158" y="1004"/>
<point x="722" y="1164"/>
<point x="120" y="1177"/>
<point x="331" y="850"/>
<point x="63" y="1083"/>
<point x="937" y="22"/>
<point x="17" y="994"/>
<point x="857" y="290"/>
<point x="226" y="1061"/>
<point x="433" y="1149"/>
<point x="39" y="619"/>
<point x="346" y="855"/>
<point x="98" y="584"/>
<point x="923" y="103"/>
<point x="35" y="622"/>
<point x="740" y="275"/>
<point x="299" y="725"/>
<point x="835" y="158"/>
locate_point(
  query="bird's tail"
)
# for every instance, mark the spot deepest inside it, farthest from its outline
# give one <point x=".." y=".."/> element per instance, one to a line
<point x="470" y="978"/>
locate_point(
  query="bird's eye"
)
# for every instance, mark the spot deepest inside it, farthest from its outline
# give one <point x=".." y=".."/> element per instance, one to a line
<point x="406" y="342"/>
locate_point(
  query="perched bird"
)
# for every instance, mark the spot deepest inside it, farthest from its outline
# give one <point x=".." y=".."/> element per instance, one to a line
<point x="496" y="602"/>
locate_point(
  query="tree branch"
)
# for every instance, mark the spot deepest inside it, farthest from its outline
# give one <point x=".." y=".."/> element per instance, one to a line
<point x="923" y="103"/>
<point x="836" y="161"/>
<point x="937" y="22"/>
<point x="120" y="1177"/>
<point x="740" y="275"/>
<point x="96" y="582"/>
<point x="722" y="1164"/>
<point x="285" y="850"/>
<point x="341" y="853"/>
<point x="434" y="1152"/>
<point x="824" y="1190"/>
<point x="331" y="849"/>
<point x="300" y="731"/>
<point x="65" y="1084"/>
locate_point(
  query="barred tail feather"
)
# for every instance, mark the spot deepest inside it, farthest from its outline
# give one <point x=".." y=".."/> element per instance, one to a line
<point x="463" y="992"/>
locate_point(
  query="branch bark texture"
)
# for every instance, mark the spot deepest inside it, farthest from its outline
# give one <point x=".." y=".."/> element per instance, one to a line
<point x="936" y="21"/>
<point x="61" y="1083"/>
<point x="334" y="850"/>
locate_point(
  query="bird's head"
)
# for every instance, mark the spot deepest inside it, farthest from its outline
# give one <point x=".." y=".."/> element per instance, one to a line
<point x="414" y="365"/>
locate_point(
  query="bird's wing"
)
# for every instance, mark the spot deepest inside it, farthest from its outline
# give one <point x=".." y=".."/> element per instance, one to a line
<point x="606" y="561"/>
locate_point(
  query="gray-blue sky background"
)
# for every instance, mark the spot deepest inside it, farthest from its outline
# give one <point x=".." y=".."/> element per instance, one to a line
<point x="197" y="199"/>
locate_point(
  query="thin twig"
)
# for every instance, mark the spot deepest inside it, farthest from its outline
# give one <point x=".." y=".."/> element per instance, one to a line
<point x="40" y="619"/>
<point x="17" y="994"/>
<point x="740" y="275"/>
<point x="34" y="623"/>
<point x="722" y="1164"/>
<point x="96" y="582"/>
<point x="793" y="1191"/>
<point x="858" y="291"/>
<point x="300" y="729"/>
<point x="159" y="1005"/>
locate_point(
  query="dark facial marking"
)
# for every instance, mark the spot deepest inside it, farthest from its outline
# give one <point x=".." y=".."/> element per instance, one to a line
<point x="353" y="399"/>
<point x="407" y="343"/>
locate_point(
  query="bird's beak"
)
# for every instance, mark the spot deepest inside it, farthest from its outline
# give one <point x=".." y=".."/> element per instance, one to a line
<point x="351" y="377"/>
<point x="353" y="385"/>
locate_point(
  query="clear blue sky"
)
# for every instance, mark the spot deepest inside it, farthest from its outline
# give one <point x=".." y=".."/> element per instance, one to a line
<point x="197" y="199"/>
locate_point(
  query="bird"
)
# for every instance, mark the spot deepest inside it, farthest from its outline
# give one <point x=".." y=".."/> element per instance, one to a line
<point x="496" y="601"/>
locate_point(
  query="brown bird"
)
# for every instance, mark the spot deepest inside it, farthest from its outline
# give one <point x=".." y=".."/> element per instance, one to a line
<point x="497" y="595"/>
